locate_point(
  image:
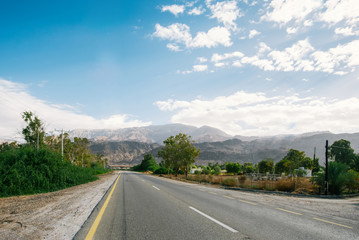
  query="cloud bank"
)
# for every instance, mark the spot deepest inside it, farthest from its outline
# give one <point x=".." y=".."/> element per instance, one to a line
<point x="15" y="99"/>
<point x="256" y="114"/>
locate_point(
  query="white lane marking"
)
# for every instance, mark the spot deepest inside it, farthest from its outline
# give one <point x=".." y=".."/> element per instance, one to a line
<point x="143" y="180"/>
<point x="155" y="187"/>
<point x="214" y="220"/>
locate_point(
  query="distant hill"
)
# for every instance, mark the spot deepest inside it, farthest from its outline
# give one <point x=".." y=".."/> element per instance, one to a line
<point x="233" y="150"/>
<point x="152" y="134"/>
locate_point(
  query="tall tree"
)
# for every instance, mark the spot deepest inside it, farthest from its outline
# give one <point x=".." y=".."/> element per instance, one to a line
<point x="342" y="152"/>
<point x="266" y="165"/>
<point x="34" y="132"/>
<point x="179" y="152"/>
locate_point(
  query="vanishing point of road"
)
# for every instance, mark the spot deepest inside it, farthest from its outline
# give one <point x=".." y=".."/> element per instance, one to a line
<point x="140" y="206"/>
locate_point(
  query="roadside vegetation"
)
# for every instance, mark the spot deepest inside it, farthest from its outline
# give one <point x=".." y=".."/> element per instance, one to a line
<point x="295" y="173"/>
<point x="38" y="165"/>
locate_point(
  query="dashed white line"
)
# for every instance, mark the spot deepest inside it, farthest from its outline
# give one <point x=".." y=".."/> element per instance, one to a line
<point x="155" y="187"/>
<point x="214" y="220"/>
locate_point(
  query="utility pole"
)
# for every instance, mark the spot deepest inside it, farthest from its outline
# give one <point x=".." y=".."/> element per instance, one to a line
<point x="326" y="185"/>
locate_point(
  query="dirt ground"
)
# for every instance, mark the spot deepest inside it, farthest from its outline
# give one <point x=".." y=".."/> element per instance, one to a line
<point x="55" y="215"/>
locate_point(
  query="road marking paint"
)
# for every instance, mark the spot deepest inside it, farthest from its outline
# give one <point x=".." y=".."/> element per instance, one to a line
<point x="213" y="193"/>
<point x="97" y="221"/>
<point x="155" y="187"/>
<point x="214" y="220"/>
<point x="322" y="220"/>
<point x="202" y="190"/>
<point x="228" y="197"/>
<point x="247" y="202"/>
<point x="289" y="211"/>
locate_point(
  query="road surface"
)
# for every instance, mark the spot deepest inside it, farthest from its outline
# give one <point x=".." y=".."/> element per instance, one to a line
<point x="141" y="206"/>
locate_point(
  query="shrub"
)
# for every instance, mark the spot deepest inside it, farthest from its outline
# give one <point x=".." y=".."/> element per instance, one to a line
<point x="217" y="170"/>
<point x="28" y="171"/>
<point x="161" y="170"/>
<point x="229" y="182"/>
<point x="285" y="185"/>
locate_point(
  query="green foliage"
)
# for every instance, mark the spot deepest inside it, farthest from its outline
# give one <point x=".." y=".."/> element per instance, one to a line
<point x="25" y="170"/>
<point x="338" y="176"/>
<point x="316" y="166"/>
<point x="234" y="168"/>
<point x="148" y="164"/>
<point x="293" y="160"/>
<point x="161" y="170"/>
<point x="247" y="167"/>
<point x="342" y="152"/>
<point x="179" y="153"/>
<point x="217" y="170"/>
<point x="266" y="165"/>
<point x="206" y="170"/>
<point x="34" y="132"/>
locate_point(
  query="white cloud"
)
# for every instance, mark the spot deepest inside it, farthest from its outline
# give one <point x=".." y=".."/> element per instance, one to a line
<point x="200" y="68"/>
<point x="301" y="56"/>
<point x="263" y="48"/>
<point x="217" y="57"/>
<point x="214" y="37"/>
<point x="197" y="11"/>
<point x="283" y="12"/>
<point x="346" y="31"/>
<point x="202" y="59"/>
<point x="176" y="32"/>
<point x="253" y="33"/>
<point x="265" y="64"/>
<point x="174" y="9"/>
<point x="226" y="12"/>
<point x="341" y="10"/>
<point x="16" y="99"/>
<point x="292" y="30"/>
<point x="257" y="114"/>
<point x="180" y="33"/>
<point x="173" y="47"/>
<point x="291" y="58"/>
<point x="338" y="58"/>
<point x="220" y="64"/>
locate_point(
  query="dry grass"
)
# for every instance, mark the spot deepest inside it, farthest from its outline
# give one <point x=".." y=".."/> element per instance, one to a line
<point x="294" y="185"/>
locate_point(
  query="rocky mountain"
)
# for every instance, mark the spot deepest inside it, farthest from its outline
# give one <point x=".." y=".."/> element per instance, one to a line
<point x="152" y="134"/>
<point x="234" y="150"/>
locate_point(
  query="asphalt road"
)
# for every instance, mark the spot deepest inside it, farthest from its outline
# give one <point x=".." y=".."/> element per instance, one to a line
<point x="147" y="207"/>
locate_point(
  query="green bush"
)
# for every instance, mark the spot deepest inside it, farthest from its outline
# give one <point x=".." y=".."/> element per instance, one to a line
<point x="217" y="170"/>
<point x="25" y="170"/>
<point x="339" y="178"/>
<point x="161" y="170"/>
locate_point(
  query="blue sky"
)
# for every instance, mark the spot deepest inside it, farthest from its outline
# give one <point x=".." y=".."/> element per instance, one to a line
<point x="246" y="67"/>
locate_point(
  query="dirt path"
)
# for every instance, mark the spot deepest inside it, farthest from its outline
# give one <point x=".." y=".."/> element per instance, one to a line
<point x="55" y="215"/>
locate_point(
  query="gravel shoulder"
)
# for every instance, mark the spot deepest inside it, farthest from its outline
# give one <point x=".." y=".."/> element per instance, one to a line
<point x="54" y="215"/>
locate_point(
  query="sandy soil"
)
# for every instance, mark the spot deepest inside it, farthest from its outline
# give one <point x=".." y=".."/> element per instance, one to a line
<point x="55" y="215"/>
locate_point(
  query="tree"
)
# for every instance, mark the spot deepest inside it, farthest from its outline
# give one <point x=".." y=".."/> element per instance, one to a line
<point x="293" y="160"/>
<point x="233" y="167"/>
<point x="338" y="176"/>
<point x="179" y="152"/>
<point x="248" y="167"/>
<point x="342" y="152"/>
<point x="266" y="165"/>
<point x="34" y="132"/>
<point x="316" y="166"/>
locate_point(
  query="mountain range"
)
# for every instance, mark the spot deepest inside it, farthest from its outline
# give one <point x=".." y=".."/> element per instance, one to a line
<point x="127" y="146"/>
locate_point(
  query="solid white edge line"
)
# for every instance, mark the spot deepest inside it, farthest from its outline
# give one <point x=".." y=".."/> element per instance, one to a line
<point x="155" y="187"/>
<point x="214" y="220"/>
